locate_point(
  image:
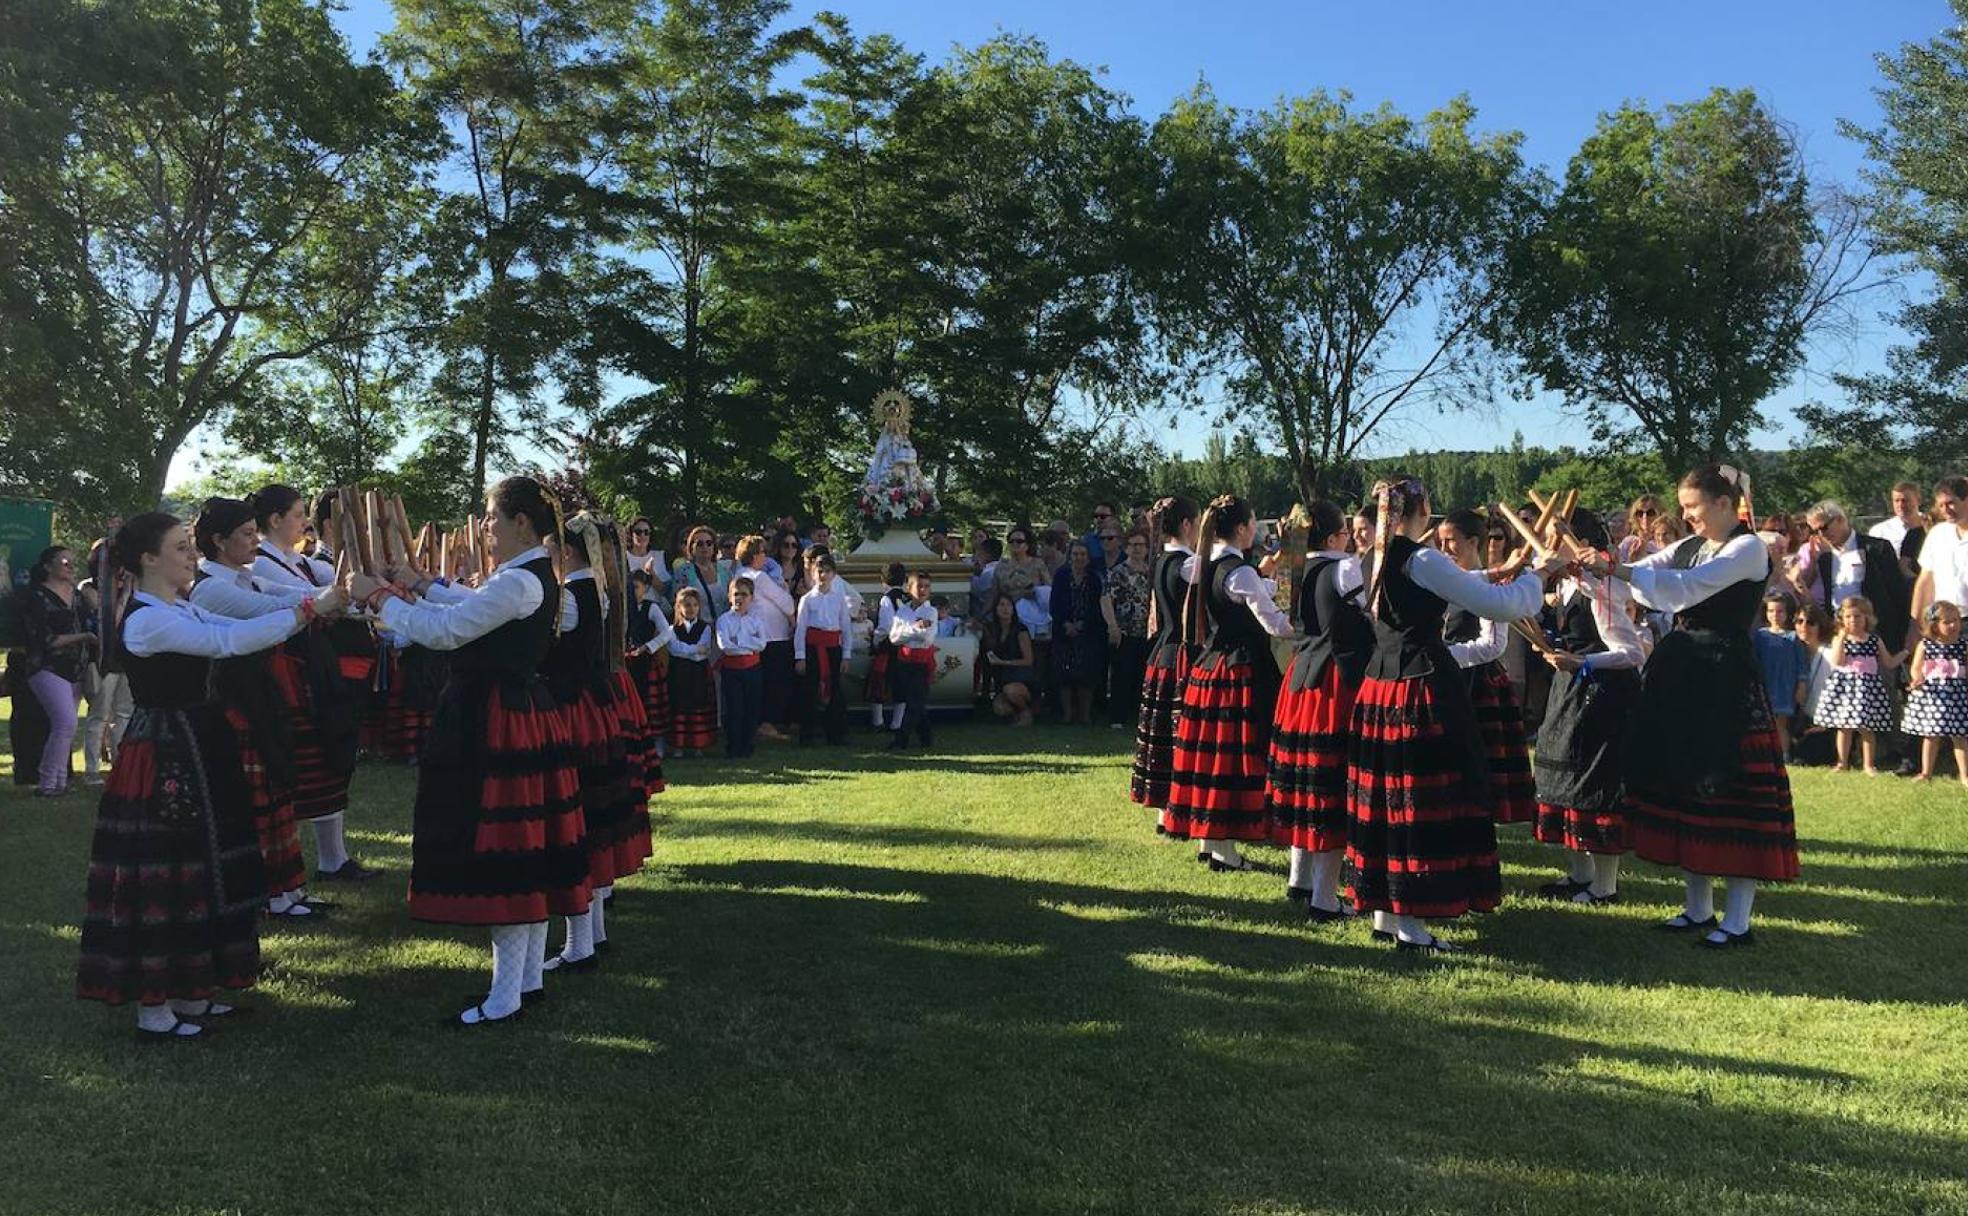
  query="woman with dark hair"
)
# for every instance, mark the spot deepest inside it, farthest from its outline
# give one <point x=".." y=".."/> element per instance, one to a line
<point x="1167" y="668"/>
<point x="498" y="837"/>
<point x="643" y="553"/>
<point x="1007" y="649"/>
<point x="1706" y="787"/>
<point x="1477" y="645"/>
<point x="324" y="711"/>
<point x="576" y="670"/>
<point x="1223" y="728"/>
<point x="58" y="649"/>
<point x="246" y="692"/>
<point x="1306" y="784"/>
<point x="175" y="889"/>
<point x="1419" y="831"/>
<point x="1079" y="634"/>
<point x="1580" y="763"/>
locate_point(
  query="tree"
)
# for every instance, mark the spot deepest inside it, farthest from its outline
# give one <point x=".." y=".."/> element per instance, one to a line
<point x="1919" y="214"/>
<point x="520" y="85"/>
<point x="706" y="131"/>
<point x="199" y="150"/>
<point x="1678" y="274"/>
<point x="1307" y="246"/>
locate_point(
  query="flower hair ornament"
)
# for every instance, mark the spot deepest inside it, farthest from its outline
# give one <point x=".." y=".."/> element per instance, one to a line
<point x="583" y="525"/>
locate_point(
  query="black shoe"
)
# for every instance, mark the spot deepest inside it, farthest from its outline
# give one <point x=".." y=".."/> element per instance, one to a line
<point x="1383" y="935"/>
<point x="1320" y="916"/>
<point x="350" y="871"/>
<point x="898" y="744"/>
<point x="560" y="962"/>
<point x="455" y="1023"/>
<point x="1908" y="768"/>
<point x="535" y="997"/>
<point x="1729" y="940"/>
<point x="181" y="1031"/>
<point x="1202" y="859"/>
<point x="1563" y="889"/>
<point x="1299" y="895"/>
<point x="1679" y="923"/>
<point x="1434" y="945"/>
<point x="1218" y="866"/>
<point x="1590" y="900"/>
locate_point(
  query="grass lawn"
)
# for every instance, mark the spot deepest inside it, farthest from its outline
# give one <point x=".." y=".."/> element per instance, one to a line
<point x="976" y="982"/>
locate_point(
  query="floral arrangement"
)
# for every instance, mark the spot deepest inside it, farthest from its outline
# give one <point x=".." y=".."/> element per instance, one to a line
<point x="879" y="506"/>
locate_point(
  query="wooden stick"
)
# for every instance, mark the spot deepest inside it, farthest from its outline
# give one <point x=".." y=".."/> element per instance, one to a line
<point x="1532" y="634"/>
<point x="1547" y="510"/>
<point x="1571" y="504"/>
<point x="406" y="540"/>
<point x="1533" y="539"/>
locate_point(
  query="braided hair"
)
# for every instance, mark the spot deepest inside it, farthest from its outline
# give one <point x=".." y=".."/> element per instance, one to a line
<point x="1221" y="519"/>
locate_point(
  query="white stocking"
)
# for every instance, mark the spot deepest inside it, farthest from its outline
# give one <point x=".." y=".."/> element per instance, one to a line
<point x="1411" y="929"/>
<point x="1325" y="880"/>
<point x="1739" y="894"/>
<point x="1605" y="874"/>
<point x="1700" y="905"/>
<point x="1581" y="867"/>
<point x="1301" y="870"/>
<point x="536" y="956"/>
<point x="597" y="922"/>
<point x="508" y="969"/>
<point x="330" y="846"/>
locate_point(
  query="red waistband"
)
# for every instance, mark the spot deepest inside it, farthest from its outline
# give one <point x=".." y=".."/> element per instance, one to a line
<point x="740" y="662"/>
<point x="925" y="656"/>
<point x="816" y="636"/>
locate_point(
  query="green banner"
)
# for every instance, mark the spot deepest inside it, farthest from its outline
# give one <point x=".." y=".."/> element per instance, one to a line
<point x="26" y="527"/>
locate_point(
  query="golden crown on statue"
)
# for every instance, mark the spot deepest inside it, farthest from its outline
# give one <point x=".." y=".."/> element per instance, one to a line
<point x="892" y="409"/>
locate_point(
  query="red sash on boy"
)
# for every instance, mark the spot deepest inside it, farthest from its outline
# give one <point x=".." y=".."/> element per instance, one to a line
<point x="926" y="656"/>
<point x="821" y="646"/>
<point x="740" y="662"/>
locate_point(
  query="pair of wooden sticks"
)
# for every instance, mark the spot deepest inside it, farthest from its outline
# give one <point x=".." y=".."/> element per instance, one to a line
<point x="370" y="529"/>
<point x="1558" y="507"/>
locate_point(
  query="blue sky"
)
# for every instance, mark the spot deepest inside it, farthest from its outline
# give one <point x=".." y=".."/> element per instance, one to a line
<point x="1547" y="69"/>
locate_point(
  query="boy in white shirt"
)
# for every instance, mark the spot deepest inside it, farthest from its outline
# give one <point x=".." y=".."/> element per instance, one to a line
<point x="912" y="629"/>
<point x="822" y="644"/>
<point x="741" y="684"/>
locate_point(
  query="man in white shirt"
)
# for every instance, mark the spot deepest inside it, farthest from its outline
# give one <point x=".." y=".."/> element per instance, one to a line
<point x="1905" y="529"/>
<point x="1944" y="554"/>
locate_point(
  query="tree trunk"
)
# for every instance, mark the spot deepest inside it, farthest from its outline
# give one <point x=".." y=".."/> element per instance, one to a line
<point x="482" y="428"/>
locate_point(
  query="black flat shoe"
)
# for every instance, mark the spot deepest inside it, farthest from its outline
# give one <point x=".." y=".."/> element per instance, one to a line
<point x="456" y="1022"/>
<point x="1681" y="924"/>
<point x="1202" y="859"/>
<point x="1298" y="894"/>
<point x="180" y="1032"/>
<point x="1319" y="916"/>
<point x="349" y="871"/>
<point x="536" y="997"/>
<point x="1432" y="946"/>
<point x="300" y="911"/>
<point x="212" y="1011"/>
<point x="1564" y="888"/>
<point x="561" y="962"/>
<point x="1384" y="935"/>
<point x="1218" y="866"/>
<point x="1729" y="940"/>
<point x="1587" y="898"/>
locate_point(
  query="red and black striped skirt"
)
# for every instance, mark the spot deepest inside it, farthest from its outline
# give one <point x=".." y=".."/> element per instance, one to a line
<point x="1513" y="794"/>
<point x="1745" y="829"/>
<point x="1581" y="830"/>
<point x="652" y="676"/>
<point x="273" y="813"/>
<point x="622" y="837"/>
<point x="174" y="884"/>
<point x="693" y="728"/>
<point x="601" y="750"/>
<point x="1222" y="737"/>
<point x="1154" y="731"/>
<point x="395" y="727"/>
<point x="1419" y="841"/>
<point x="1307" y="783"/>
<point x="499" y="837"/>
<point x="320" y="787"/>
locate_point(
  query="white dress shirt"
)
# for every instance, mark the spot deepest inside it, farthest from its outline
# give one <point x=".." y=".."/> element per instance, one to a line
<point x="1246" y="586"/>
<point x="510" y="594"/>
<point x="1609" y="600"/>
<point x="1491" y="640"/>
<point x="1657" y="585"/>
<point x="663" y="636"/>
<point x="273" y="565"/>
<point x="1346" y="571"/>
<point x="237" y="594"/>
<point x="651" y="563"/>
<point x="1892" y="530"/>
<point x="698" y="651"/>
<point x="823" y="610"/>
<point x="1435" y="571"/>
<point x="772" y="605"/>
<point x="913" y="625"/>
<point x="1944" y="558"/>
<point x="180" y="627"/>
<point x="742" y="632"/>
<point x="1847" y="570"/>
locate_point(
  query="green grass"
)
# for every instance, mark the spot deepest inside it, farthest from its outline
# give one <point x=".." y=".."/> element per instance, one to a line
<point x="979" y="984"/>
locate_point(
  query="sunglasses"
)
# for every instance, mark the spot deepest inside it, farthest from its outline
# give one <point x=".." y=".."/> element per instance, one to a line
<point x="700" y="544"/>
<point x="1645" y="513"/>
<point x="1103" y="515"/>
<point x="638" y="531"/>
<point x="1018" y="540"/>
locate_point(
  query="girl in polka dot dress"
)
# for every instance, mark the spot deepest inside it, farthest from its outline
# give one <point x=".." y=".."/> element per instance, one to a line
<point x="1937" y="708"/>
<point x="1855" y="700"/>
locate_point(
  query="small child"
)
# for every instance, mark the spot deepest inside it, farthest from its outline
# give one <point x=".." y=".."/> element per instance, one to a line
<point x="1784" y="662"/>
<point x="884" y="708"/>
<point x="912" y="628"/>
<point x="948" y="624"/>
<point x="648" y="636"/>
<point x="823" y="641"/>
<point x="1937" y="707"/>
<point x="741" y="679"/>
<point x="693" y="700"/>
<point x="1855" y="700"/>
